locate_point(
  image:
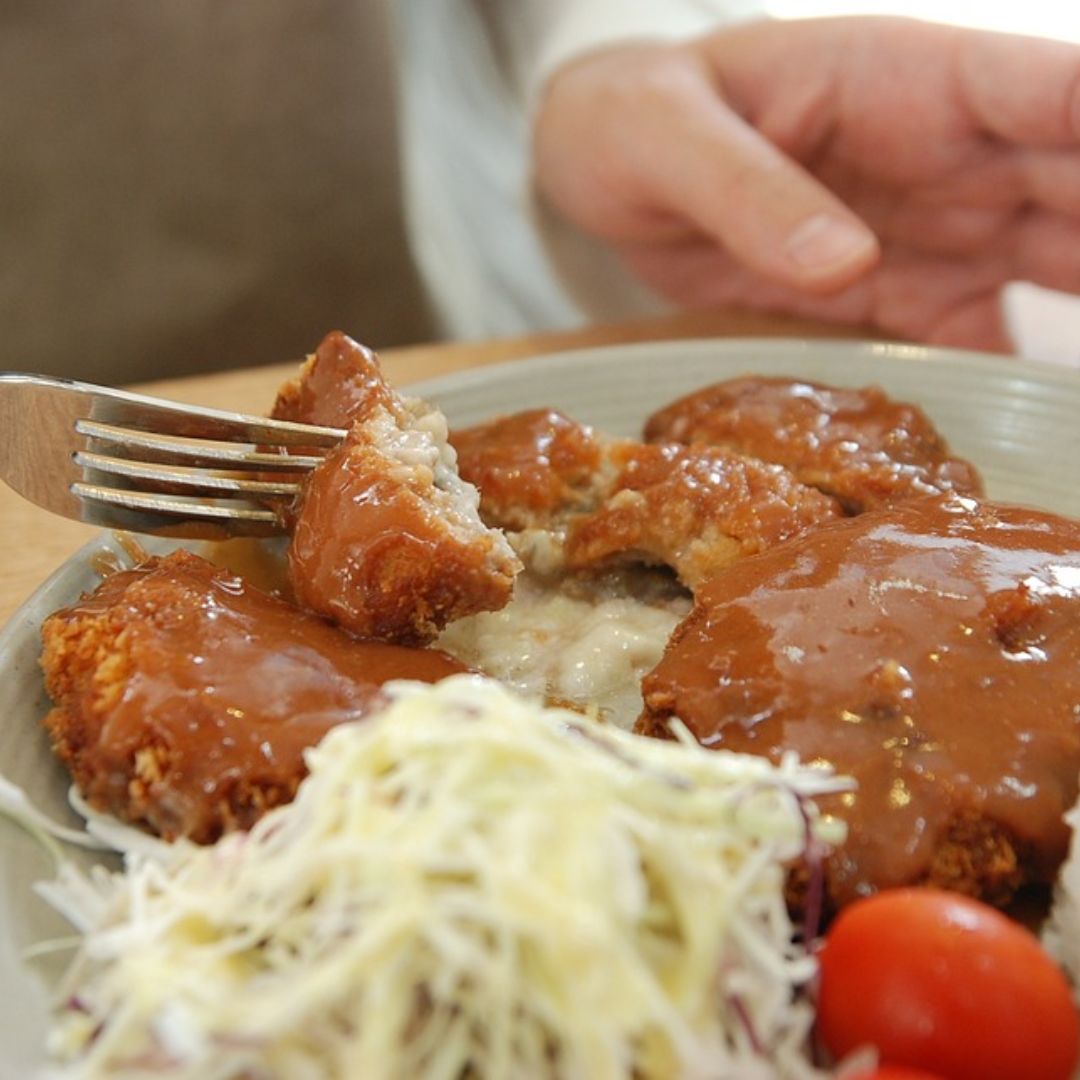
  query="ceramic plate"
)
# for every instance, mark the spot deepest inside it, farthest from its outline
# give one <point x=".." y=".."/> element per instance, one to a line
<point x="1017" y="422"/>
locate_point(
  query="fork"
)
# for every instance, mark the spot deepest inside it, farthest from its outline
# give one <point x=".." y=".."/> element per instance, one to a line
<point x="126" y="461"/>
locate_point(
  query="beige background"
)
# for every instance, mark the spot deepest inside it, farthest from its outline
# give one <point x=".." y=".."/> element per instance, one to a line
<point x="196" y="184"/>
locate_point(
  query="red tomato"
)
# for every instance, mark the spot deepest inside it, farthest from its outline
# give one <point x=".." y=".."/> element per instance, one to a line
<point x="895" y="1072"/>
<point x="940" y="982"/>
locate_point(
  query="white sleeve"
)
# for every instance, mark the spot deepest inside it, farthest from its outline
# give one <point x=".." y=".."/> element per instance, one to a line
<point x="493" y="261"/>
<point x="561" y="30"/>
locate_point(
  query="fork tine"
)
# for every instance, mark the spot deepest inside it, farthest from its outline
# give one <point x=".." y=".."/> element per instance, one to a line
<point x="174" y="515"/>
<point x="126" y="461"/>
<point x="164" y="448"/>
<point x="205" y="481"/>
<point x="139" y="412"/>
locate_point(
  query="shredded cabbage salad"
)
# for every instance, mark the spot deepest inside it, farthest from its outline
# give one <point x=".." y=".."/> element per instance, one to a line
<point x="467" y="885"/>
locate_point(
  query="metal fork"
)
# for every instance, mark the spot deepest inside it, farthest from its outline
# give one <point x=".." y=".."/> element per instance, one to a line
<point x="132" y="462"/>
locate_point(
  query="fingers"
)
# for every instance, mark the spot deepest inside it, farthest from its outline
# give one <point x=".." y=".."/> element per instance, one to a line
<point x="766" y="210"/>
<point x="945" y="301"/>
<point x="638" y="144"/>
<point x="1027" y="244"/>
<point x="1043" y="248"/>
<point x="694" y="273"/>
<point x="977" y="323"/>
<point x="952" y="230"/>
<point x="644" y="151"/>
<point x="1023" y="90"/>
<point x="1027" y="200"/>
<point x="1005" y="177"/>
<point x="911" y="294"/>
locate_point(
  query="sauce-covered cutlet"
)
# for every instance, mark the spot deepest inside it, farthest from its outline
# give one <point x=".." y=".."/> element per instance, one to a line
<point x="387" y="540"/>
<point x="932" y="652"/>
<point x="695" y="509"/>
<point x="858" y="445"/>
<point x="184" y="698"/>
<point x="336" y="385"/>
<point x="532" y="468"/>
<point x="601" y="501"/>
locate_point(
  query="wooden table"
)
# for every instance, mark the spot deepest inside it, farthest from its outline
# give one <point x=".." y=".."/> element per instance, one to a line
<point x="35" y="543"/>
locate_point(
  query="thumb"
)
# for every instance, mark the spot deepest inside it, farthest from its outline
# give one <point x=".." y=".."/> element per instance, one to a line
<point x="769" y="213"/>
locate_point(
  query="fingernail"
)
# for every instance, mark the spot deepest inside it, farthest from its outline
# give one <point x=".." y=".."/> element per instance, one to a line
<point x="823" y="242"/>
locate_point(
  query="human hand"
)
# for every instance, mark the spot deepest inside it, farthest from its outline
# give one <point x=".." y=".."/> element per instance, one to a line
<point x="865" y="170"/>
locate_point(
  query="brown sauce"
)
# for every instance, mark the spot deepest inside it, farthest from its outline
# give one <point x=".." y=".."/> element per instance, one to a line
<point x="261" y="563"/>
<point x="205" y="692"/>
<point x="384" y="551"/>
<point x="338" y="385"/>
<point x="530" y="466"/>
<point x="858" y="445"/>
<point x="696" y="509"/>
<point x="932" y="652"/>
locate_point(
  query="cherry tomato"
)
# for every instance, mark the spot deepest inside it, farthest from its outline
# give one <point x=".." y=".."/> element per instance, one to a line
<point x="940" y="982"/>
<point x="895" y="1072"/>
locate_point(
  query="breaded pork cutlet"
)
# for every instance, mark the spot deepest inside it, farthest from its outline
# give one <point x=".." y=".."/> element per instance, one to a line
<point x="335" y="386"/>
<point x="184" y="698"/>
<point x="579" y="500"/>
<point x="387" y="540"/>
<point x="694" y="509"/>
<point x="859" y="446"/>
<point x="534" y="468"/>
<point x="932" y="652"/>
